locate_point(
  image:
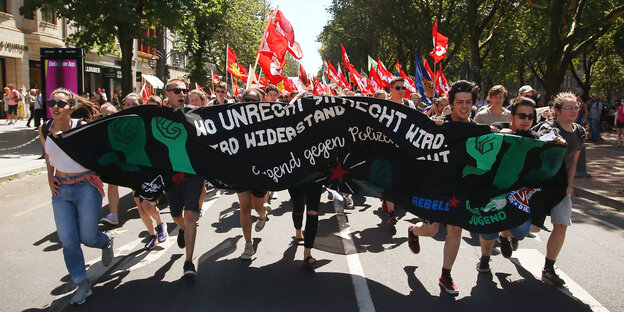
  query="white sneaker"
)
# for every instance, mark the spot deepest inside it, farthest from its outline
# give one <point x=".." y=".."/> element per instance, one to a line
<point x="248" y="252"/>
<point x="81" y="294"/>
<point x="111" y="219"/>
<point x="268" y="208"/>
<point x="262" y="222"/>
<point x="348" y="201"/>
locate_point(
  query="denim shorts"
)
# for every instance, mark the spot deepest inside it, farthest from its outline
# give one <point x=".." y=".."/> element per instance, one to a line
<point x="519" y="232"/>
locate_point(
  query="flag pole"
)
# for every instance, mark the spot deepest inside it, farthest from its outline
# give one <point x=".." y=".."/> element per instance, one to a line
<point x="266" y="28"/>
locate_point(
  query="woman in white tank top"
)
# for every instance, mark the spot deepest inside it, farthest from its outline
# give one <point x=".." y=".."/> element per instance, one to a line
<point x="76" y="196"/>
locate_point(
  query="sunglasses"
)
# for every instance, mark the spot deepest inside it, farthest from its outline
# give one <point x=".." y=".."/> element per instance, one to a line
<point x="525" y="116"/>
<point x="572" y="108"/>
<point x="250" y="99"/>
<point x="400" y="88"/>
<point x="59" y="104"/>
<point x="220" y="91"/>
<point x="178" y="90"/>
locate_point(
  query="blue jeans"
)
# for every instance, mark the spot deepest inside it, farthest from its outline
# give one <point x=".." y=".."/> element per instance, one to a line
<point x="594" y="129"/>
<point x="77" y="210"/>
<point x="519" y="232"/>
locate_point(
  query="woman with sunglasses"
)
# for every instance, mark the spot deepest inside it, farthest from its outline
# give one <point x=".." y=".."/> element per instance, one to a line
<point x="76" y="196"/>
<point x="252" y="198"/>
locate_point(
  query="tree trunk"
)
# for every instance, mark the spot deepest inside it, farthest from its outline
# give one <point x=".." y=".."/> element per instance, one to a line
<point x="474" y="34"/>
<point x="553" y="77"/>
<point x="125" y="43"/>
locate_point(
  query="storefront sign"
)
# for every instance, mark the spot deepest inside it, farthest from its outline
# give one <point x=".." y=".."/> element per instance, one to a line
<point x="92" y="69"/>
<point x="13" y="47"/>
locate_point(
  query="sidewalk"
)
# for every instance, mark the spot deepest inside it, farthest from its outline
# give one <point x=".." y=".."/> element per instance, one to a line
<point x="20" y="150"/>
<point x="605" y="163"/>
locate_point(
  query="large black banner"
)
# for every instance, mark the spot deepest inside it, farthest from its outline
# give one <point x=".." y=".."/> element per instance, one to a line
<point x="458" y="173"/>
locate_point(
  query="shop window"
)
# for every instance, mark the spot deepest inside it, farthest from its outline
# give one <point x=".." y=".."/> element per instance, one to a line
<point x="48" y="16"/>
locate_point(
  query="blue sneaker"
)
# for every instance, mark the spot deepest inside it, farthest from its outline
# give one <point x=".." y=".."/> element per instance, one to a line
<point x="151" y="243"/>
<point x="161" y="231"/>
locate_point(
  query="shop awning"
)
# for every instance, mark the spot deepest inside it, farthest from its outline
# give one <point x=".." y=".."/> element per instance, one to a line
<point x="154" y="81"/>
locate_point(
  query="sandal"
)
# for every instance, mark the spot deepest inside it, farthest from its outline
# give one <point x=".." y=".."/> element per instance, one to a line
<point x="299" y="241"/>
<point x="310" y="261"/>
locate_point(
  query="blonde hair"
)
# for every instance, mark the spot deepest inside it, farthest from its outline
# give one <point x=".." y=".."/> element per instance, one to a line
<point x="202" y="95"/>
<point x="138" y="97"/>
<point x="557" y="101"/>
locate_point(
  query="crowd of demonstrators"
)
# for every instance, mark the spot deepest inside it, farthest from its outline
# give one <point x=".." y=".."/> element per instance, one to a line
<point x="79" y="224"/>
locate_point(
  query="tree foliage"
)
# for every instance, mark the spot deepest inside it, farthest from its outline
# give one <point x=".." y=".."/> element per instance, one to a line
<point x="98" y="23"/>
<point x="490" y="41"/>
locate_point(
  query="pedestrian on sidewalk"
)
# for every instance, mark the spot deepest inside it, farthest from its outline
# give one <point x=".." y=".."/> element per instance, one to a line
<point x="619" y="125"/>
<point x="13" y="98"/>
<point x="76" y="196"/>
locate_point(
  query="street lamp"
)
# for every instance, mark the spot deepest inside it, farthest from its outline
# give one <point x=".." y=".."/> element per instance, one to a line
<point x="152" y="62"/>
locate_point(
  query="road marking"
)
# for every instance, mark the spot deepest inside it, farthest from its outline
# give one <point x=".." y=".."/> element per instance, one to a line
<point x="362" y="293"/>
<point x="96" y="269"/>
<point x="44" y="204"/>
<point x="611" y="225"/>
<point x="532" y="260"/>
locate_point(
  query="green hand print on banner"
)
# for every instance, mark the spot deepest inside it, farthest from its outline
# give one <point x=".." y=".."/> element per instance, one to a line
<point x="127" y="135"/>
<point x="513" y="161"/>
<point x="484" y="150"/>
<point x="111" y="158"/>
<point x="173" y="135"/>
<point x="551" y="162"/>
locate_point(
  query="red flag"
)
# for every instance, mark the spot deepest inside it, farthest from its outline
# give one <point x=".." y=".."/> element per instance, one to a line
<point x="263" y="81"/>
<point x="428" y="69"/>
<point x="303" y="77"/>
<point x="344" y="82"/>
<point x="274" y="44"/>
<point x="345" y="58"/>
<point x="332" y="74"/>
<point x="235" y="89"/>
<point x="384" y="74"/>
<point x="198" y="87"/>
<point x="318" y="89"/>
<point x="409" y="83"/>
<point x="362" y="82"/>
<point x="440" y="44"/>
<point x="145" y="93"/>
<point x="271" y="67"/>
<point x="284" y="27"/>
<point x="215" y="78"/>
<point x="441" y="83"/>
<point x="287" y="84"/>
<point x="233" y="67"/>
<point x="375" y="80"/>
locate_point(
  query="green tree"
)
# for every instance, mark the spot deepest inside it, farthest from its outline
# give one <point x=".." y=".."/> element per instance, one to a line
<point x="572" y="25"/>
<point x="98" y="23"/>
<point x="198" y="29"/>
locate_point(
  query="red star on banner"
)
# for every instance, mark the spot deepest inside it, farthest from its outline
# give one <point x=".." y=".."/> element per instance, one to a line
<point x="337" y="173"/>
<point x="453" y="202"/>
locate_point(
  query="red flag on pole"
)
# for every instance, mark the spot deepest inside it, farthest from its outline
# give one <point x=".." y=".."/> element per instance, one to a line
<point x="384" y="74"/>
<point x="440" y="44"/>
<point x="215" y="78"/>
<point x="375" y="79"/>
<point x="409" y="83"/>
<point x="345" y="83"/>
<point x="284" y="27"/>
<point x="271" y="67"/>
<point x="345" y="59"/>
<point x="332" y="74"/>
<point x="318" y="89"/>
<point x="145" y="92"/>
<point x="428" y="69"/>
<point x="441" y="83"/>
<point x="233" y="67"/>
<point x="303" y="77"/>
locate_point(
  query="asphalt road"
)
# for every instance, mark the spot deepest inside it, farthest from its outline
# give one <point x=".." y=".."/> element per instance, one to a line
<point x="365" y="265"/>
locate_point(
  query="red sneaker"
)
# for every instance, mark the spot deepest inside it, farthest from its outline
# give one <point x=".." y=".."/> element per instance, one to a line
<point x="447" y="283"/>
<point x="384" y="205"/>
<point x="412" y="240"/>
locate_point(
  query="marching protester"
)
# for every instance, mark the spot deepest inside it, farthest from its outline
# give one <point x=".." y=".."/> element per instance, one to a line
<point x="112" y="217"/>
<point x="308" y="198"/>
<point x="397" y="92"/>
<point x="522" y="114"/>
<point x="437" y="108"/>
<point x="566" y="111"/>
<point x="248" y="199"/>
<point x="76" y="196"/>
<point x="221" y="94"/>
<point x="185" y="195"/>
<point x="461" y="96"/>
<point x="495" y="112"/>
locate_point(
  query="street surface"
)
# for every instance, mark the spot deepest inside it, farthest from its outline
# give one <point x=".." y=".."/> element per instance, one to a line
<point x="364" y="264"/>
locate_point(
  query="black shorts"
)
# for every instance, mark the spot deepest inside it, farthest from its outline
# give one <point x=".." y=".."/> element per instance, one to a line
<point x="185" y="195"/>
<point x="255" y="193"/>
<point x="619" y="124"/>
<point x="12" y="110"/>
